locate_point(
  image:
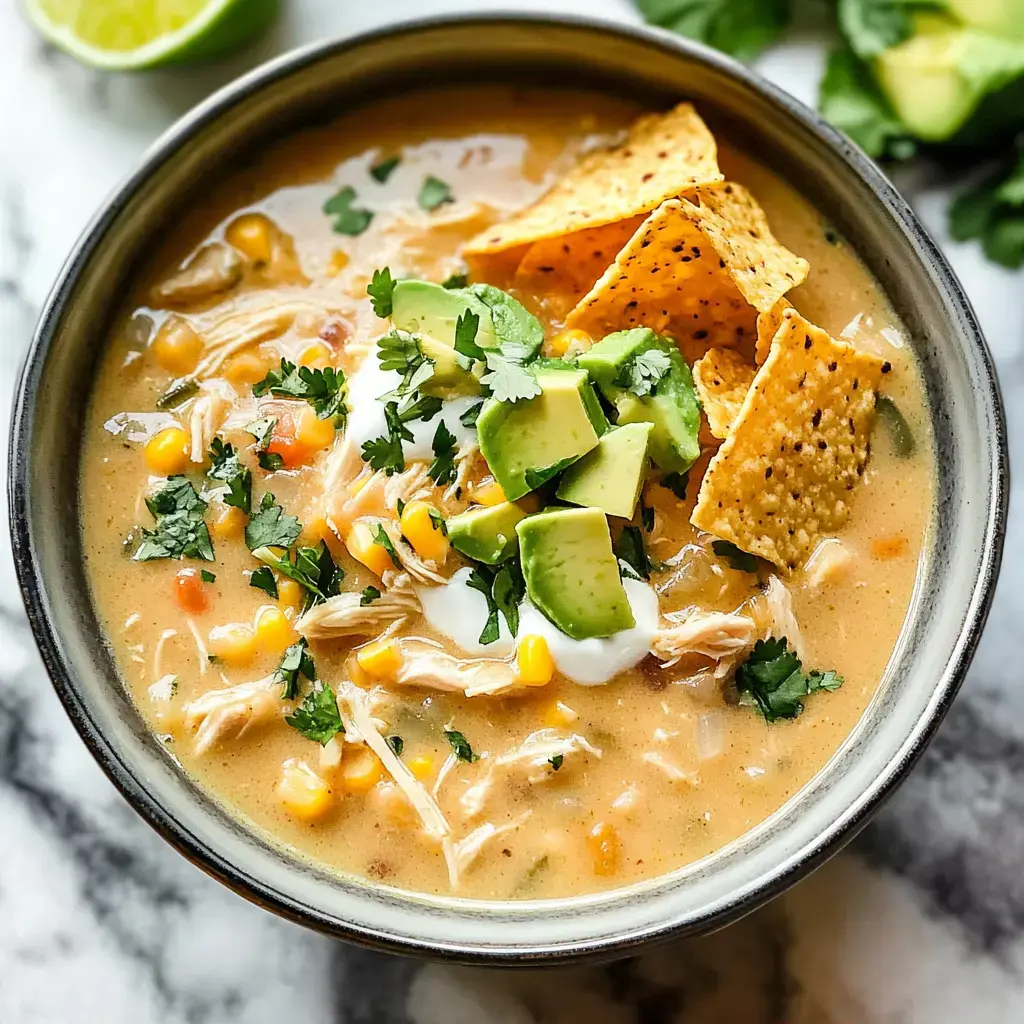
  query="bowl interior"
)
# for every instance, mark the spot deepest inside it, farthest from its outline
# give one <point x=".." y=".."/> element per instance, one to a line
<point x="313" y="85"/>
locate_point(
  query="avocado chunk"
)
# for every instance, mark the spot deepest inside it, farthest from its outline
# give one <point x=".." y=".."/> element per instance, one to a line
<point x="671" y="406"/>
<point x="451" y="378"/>
<point x="486" y="533"/>
<point x="571" y="572"/>
<point x="610" y="476"/>
<point x="424" y="308"/>
<point x="527" y="443"/>
<point x="1000" y="17"/>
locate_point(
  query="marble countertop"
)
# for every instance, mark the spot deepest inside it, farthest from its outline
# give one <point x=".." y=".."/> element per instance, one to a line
<point x="920" y="920"/>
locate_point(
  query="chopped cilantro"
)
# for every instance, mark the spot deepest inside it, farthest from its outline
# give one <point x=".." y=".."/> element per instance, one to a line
<point x="482" y="579"/>
<point x="386" y="452"/>
<point x="296" y="661"/>
<point x="180" y="528"/>
<point x="773" y="680"/>
<point x="313" y="568"/>
<point x="433" y="193"/>
<point x="178" y="392"/>
<point x="509" y="589"/>
<point x="466" y="328"/>
<point x="269" y="526"/>
<point x="323" y="389"/>
<point x="556" y="761"/>
<point x="742" y="28"/>
<point x="539" y="477"/>
<point x="383" y="170"/>
<point x="437" y="521"/>
<point x="676" y="483"/>
<point x="380" y="536"/>
<point x="642" y="374"/>
<point x="271" y="462"/>
<point x="227" y="468"/>
<point x="318" y="718"/>
<point x="459" y="280"/>
<point x="740" y="560"/>
<point x="263" y="579"/>
<point x="400" y="505"/>
<point x="442" y="469"/>
<point x="370" y="594"/>
<point x="402" y="352"/>
<point x="397" y="744"/>
<point x="508" y="380"/>
<point x="262" y="431"/>
<point x="993" y="213"/>
<point x="380" y="289"/>
<point x="469" y="417"/>
<point x="207" y="577"/>
<point x="459" y="743"/>
<point x="347" y="219"/>
<point x="632" y="554"/>
<point x="423" y="407"/>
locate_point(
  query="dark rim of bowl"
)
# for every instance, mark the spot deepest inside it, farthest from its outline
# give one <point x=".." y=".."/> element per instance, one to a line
<point x="122" y="775"/>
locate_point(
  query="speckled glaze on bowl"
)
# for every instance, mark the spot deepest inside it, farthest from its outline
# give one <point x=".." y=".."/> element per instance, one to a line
<point x="947" y="614"/>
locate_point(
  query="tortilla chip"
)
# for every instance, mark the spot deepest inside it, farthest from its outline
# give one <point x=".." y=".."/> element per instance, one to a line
<point x="663" y="156"/>
<point x="768" y="325"/>
<point x="699" y="272"/>
<point x="783" y="477"/>
<point x="722" y="378"/>
<point x="562" y="270"/>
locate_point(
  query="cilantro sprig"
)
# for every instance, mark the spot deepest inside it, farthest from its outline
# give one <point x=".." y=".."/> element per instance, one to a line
<point x="323" y="389"/>
<point x="226" y="467"/>
<point x="318" y="717"/>
<point x="772" y="679"/>
<point x="180" y="530"/>
<point x="442" y="469"/>
<point x="311" y="567"/>
<point x="348" y="219"/>
<point x="460" y="745"/>
<point x="642" y="374"/>
<point x="504" y="590"/>
<point x="270" y="527"/>
<point x="434" y="193"/>
<point x="386" y="452"/>
<point x="296" y="661"/>
<point x="631" y="551"/>
<point x="738" y="559"/>
<point x="381" y="290"/>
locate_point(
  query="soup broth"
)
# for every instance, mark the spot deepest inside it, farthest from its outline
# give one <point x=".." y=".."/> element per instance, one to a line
<point x="548" y="780"/>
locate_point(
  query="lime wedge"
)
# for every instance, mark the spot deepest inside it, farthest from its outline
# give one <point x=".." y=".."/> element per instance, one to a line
<point x="128" y="35"/>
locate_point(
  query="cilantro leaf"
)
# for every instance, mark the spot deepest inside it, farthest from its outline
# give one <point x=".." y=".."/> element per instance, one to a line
<point x="459" y="280"/>
<point x="433" y="193"/>
<point x="556" y="761"/>
<point x="370" y="594"/>
<point x="466" y="328"/>
<point x="380" y="536"/>
<point x="313" y="568"/>
<point x="401" y="351"/>
<point x="263" y="579"/>
<point x="632" y="554"/>
<point x="459" y="744"/>
<point x="437" y="521"/>
<point x="442" y="469"/>
<point x="738" y="559"/>
<point x="873" y="26"/>
<point x="482" y="579"/>
<point x="644" y="371"/>
<point x="469" y="417"/>
<point x="270" y="461"/>
<point x="295" y="661"/>
<point x="397" y="744"/>
<point x="322" y="389"/>
<point x="739" y="27"/>
<point x="383" y="170"/>
<point x="180" y="530"/>
<point x="423" y="407"/>
<point x="227" y="468"/>
<point x="347" y="219"/>
<point x="772" y="679"/>
<point x="380" y="289"/>
<point x="178" y="392"/>
<point x="993" y="213"/>
<point x="508" y="380"/>
<point x="849" y="97"/>
<point x="386" y="452"/>
<point x="539" y="477"/>
<point x="206" y="576"/>
<point x="270" y="527"/>
<point x="318" y="717"/>
<point x="508" y="590"/>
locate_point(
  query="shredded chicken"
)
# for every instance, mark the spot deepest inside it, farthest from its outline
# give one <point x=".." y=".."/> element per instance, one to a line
<point x="214" y="269"/>
<point x="346" y="615"/>
<point x="421" y="569"/>
<point x="341" y="467"/>
<point x="201" y="649"/>
<point x="536" y="751"/>
<point x="782" y="620"/>
<point x="673" y="771"/>
<point x="408" y="486"/>
<point x="158" y="651"/>
<point x="432" y="668"/>
<point x="230" y="712"/>
<point x="464" y="459"/>
<point x="829" y="562"/>
<point x="714" y="635"/>
<point x="473" y="799"/>
<point x="207" y="415"/>
<point x="463" y="854"/>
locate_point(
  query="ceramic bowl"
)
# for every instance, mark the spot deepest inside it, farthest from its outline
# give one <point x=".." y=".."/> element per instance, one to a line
<point x="956" y="580"/>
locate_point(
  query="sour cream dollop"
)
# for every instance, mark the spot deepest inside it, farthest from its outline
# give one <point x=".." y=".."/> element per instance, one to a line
<point x="459" y="612"/>
<point x="366" y="412"/>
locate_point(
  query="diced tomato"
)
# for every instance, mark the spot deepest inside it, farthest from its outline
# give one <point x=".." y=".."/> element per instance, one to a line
<point x="190" y="590"/>
<point x="284" y="443"/>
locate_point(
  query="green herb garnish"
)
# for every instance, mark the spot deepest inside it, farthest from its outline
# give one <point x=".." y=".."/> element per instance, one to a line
<point x="459" y="744"/>
<point x="270" y="527"/>
<point x="178" y="392"/>
<point x="369" y="595"/>
<point x="263" y="579"/>
<point x="296" y="661"/>
<point x="313" y="568"/>
<point x="380" y="536"/>
<point x="676" y="483"/>
<point x="323" y="389"/>
<point x="740" y="560"/>
<point x="459" y="280"/>
<point x="556" y="761"/>
<point x="508" y="380"/>
<point x="381" y="289"/>
<point x="632" y="554"/>
<point x="180" y="530"/>
<point x="466" y="327"/>
<point x="227" y="468"/>
<point x="318" y="718"/>
<point x="772" y="678"/>
<point x="470" y="416"/>
<point x="348" y="219"/>
<point x="397" y="744"/>
<point x="642" y="374"/>
<point x="386" y="452"/>
<point x="383" y="170"/>
<point x="442" y="469"/>
<point x="433" y="193"/>
<point x="207" y="577"/>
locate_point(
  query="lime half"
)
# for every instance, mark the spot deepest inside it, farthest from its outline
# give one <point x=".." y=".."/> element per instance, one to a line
<point x="127" y="35"/>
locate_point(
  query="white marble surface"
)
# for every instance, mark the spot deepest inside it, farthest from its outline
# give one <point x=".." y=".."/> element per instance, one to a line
<point x="922" y="920"/>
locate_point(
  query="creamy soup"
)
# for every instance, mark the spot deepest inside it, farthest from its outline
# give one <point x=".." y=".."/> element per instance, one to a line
<point x="479" y="498"/>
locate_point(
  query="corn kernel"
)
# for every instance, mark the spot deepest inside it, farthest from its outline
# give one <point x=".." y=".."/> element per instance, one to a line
<point x="312" y="432"/>
<point x="317" y="355"/>
<point x="420" y="530"/>
<point x="565" y="341"/>
<point x="274" y="630"/>
<point x="234" y="643"/>
<point x="489" y="493"/>
<point x="382" y="659"/>
<point x="226" y="521"/>
<point x="167" y="452"/>
<point x="360" y="773"/>
<point x="302" y="792"/>
<point x="363" y="548"/>
<point x="559" y="716"/>
<point x="252" y="235"/>
<point x="422" y="767"/>
<point x="338" y="262"/>
<point x="245" y="368"/>
<point x="289" y="595"/>
<point x="176" y="347"/>
<point x="605" y="848"/>
<point x="535" y="666"/>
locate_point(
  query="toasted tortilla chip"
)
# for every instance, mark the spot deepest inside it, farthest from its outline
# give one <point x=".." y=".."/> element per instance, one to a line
<point x="768" y="325"/>
<point x="562" y="270"/>
<point x="699" y="271"/>
<point x="782" y="479"/>
<point x="722" y="378"/>
<point x="663" y="156"/>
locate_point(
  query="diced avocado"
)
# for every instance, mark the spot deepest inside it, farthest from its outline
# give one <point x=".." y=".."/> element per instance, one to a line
<point x="424" y="308"/>
<point x="526" y="443"/>
<point x="571" y="573"/>
<point x="515" y="329"/>
<point x="672" y="408"/>
<point x="451" y="378"/>
<point x="610" y="476"/>
<point x="594" y="411"/>
<point x="487" y="533"/>
<point x="999" y="17"/>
